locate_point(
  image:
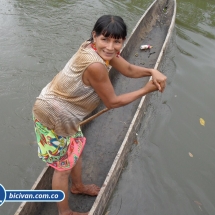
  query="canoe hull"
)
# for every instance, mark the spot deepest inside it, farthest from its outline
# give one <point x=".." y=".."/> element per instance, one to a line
<point x="151" y="15"/>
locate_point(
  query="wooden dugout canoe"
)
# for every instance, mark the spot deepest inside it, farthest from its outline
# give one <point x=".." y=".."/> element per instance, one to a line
<point x="111" y="135"/>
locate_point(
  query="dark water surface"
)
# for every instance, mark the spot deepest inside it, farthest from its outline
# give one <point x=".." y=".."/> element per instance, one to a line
<point x="171" y="171"/>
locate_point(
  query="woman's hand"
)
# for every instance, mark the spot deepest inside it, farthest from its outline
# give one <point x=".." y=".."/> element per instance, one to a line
<point x="159" y="79"/>
<point x="150" y="87"/>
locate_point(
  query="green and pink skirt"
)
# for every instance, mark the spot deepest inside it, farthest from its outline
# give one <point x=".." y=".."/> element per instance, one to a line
<point x="59" y="152"/>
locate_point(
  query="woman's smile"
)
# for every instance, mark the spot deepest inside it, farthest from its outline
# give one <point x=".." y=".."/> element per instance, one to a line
<point x="109" y="54"/>
<point x="107" y="47"/>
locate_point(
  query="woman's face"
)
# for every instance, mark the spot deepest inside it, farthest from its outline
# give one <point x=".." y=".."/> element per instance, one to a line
<point x="107" y="47"/>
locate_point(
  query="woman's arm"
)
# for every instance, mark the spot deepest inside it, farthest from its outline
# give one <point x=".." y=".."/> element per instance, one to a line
<point x="97" y="76"/>
<point x="134" y="71"/>
<point x="129" y="70"/>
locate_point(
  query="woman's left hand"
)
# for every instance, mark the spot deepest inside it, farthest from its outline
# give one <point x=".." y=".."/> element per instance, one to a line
<point x="159" y="79"/>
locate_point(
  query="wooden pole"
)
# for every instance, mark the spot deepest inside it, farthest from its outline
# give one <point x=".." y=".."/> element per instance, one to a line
<point x="94" y="116"/>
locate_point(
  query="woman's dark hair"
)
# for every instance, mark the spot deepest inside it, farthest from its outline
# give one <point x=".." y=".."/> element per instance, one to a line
<point x="110" y="26"/>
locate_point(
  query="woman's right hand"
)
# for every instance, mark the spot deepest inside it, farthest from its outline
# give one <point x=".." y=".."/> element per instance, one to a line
<point x="150" y="87"/>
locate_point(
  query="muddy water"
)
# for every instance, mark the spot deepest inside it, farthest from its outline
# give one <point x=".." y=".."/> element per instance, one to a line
<point x="171" y="170"/>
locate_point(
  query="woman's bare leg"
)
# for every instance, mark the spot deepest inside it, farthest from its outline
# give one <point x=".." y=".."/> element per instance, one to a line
<point x="60" y="182"/>
<point x="77" y="185"/>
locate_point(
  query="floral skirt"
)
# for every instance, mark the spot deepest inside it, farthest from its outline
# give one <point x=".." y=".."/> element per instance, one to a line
<point x="59" y="152"/>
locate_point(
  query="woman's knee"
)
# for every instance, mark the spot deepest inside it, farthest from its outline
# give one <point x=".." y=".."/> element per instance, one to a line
<point x="65" y="173"/>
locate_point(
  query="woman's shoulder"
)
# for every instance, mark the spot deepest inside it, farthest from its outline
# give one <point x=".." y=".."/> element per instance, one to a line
<point x="84" y="57"/>
<point x="87" y="53"/>
<point x="85" y="44"/>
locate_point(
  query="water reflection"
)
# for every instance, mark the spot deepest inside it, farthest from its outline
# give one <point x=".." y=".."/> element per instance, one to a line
<point x="197" y="16"/>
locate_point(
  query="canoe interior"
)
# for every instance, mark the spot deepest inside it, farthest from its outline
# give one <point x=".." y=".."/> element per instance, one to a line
<point x="106" y="133"/>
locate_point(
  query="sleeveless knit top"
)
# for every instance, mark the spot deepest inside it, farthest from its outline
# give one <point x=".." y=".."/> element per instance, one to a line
<point x="66" y="100"/>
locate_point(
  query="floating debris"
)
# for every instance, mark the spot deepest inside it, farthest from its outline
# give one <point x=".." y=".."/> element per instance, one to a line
<point x="151" y="54"/>
<point x="202" y="121"/>
<point x="144" y="47"/>
<point x="191" y="155"/>
<point x="165" y="9"/>
<point x="198" y="203"/>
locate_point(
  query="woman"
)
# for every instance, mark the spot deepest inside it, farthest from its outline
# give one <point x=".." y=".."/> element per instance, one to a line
<point x="74" y="93"/>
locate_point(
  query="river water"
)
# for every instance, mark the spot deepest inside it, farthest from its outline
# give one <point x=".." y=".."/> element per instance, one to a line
<point x="171" y="171"/>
